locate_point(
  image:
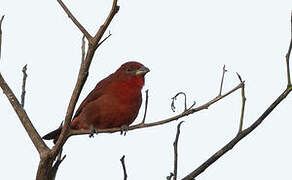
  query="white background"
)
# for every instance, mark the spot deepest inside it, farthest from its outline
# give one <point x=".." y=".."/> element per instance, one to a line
<point x="185" y="44"/>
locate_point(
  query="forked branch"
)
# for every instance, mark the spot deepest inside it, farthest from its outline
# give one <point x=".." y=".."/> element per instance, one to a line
<point x="83" y="71"/>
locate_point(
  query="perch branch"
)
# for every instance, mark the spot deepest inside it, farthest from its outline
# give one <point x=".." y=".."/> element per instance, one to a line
<point x="124" y="167"/>
<point x="75" y="21"/>
<point x="175" y="150"/>
<point x="23" y="85"/>
<point x="161" y="122"/>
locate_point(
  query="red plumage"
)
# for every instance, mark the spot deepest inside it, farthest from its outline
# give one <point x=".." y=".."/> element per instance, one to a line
<point x="115" y="101"/>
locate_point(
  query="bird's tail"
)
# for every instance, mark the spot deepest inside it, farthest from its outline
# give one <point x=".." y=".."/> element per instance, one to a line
<point x="53" y="135"/>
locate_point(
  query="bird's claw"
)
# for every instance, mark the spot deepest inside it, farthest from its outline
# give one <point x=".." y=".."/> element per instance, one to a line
<point x="92" y="132"/>
<point x="124" y="129"/>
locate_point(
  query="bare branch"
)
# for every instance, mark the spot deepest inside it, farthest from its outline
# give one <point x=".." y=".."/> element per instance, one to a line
<point x="175" y="150"/>
<point x="124" y="167"/>
<point x="23" y="85"/>
<point x="243" y="104"/>
<point x="23" y="117"/>
<point x="288" y="57"/>
<point x="161" y="122"/>
<point x="146" y="106"/>
<point x="222" y="79"/>
<point x="1" y="34"/>
<point x="75" y="21"/>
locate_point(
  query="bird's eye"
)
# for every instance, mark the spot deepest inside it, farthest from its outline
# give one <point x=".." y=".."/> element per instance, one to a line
<point x="128" y="69"/>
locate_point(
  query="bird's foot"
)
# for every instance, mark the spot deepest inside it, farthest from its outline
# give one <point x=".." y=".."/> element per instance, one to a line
<point x="124" y="129"/>
<point x="92" y="132"/>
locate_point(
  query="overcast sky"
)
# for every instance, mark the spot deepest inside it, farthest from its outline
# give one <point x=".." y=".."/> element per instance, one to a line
<point x="185" y="44"/>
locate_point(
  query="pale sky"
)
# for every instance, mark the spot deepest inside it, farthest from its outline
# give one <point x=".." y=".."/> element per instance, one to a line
<point x="185" y="44"/>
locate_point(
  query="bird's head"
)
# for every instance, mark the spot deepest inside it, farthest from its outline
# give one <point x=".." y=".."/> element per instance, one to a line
<point x="132" y="72"/>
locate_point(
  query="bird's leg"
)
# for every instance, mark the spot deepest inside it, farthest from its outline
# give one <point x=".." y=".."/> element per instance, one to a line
<point x="92" y="131"/>
<point x="124" y="129"/>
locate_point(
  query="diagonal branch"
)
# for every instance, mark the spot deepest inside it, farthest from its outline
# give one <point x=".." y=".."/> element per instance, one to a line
<point x="75" y="21"/>
<point x="237" y="138"/>
<point x="23" y="117"/>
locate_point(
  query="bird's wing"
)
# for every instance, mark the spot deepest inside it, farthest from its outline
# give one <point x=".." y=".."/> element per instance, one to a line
<point x="94" y="94"/>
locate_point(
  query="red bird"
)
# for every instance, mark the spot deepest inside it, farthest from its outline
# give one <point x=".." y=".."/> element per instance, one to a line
<point x="114" y="102"/>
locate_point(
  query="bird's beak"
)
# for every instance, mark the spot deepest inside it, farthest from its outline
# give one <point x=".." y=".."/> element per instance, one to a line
<point x="142" y="71"/>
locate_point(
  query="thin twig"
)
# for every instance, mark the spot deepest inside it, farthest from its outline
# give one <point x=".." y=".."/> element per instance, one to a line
<point x="124" y="167"/>
<point x="237" y="138"/>
<point x="58" y="162"/>
<point x="115" y="9"/>
<point x="146" y="105"/>
<point x="75" y="21"/>
<point x="175" y="151"/>
<point x="288" y="56"/>
<point x="243" y="105"/>
<point x="174" y="98"/>
<point x="1" y="34"/>
<point x="82" y="48"/>
<point x="161" y="122"/>
<point x="222" y="79"/>
<point x="109" y="35"/>
<point x="23" y="85"/>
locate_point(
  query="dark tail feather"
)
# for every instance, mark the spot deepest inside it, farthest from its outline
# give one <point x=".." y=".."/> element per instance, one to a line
<point x="53" y="135"/>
